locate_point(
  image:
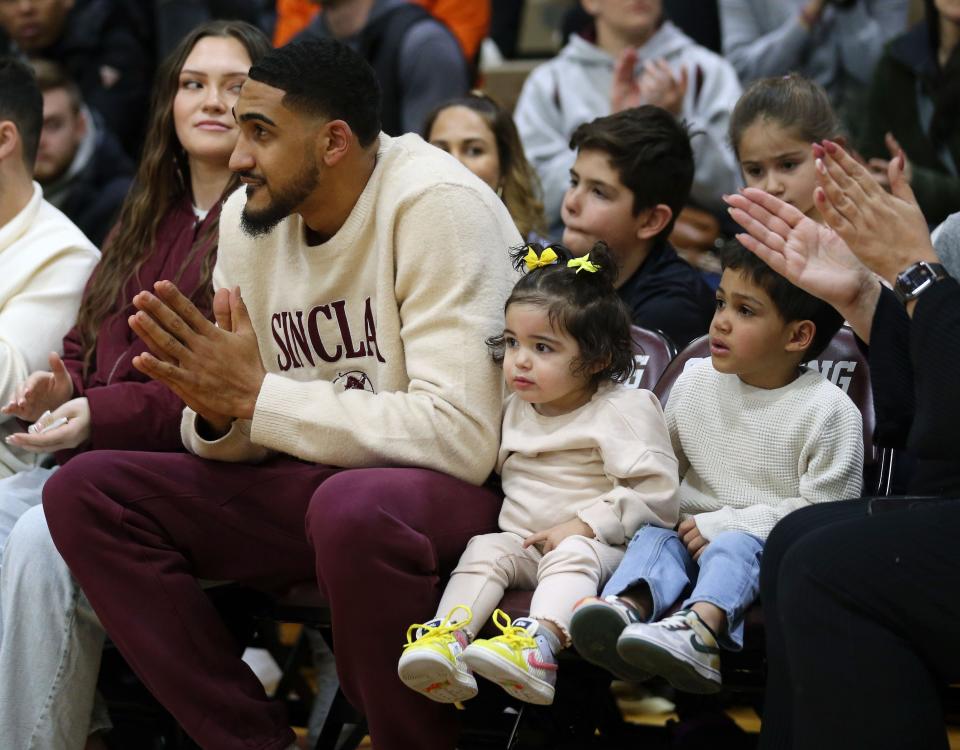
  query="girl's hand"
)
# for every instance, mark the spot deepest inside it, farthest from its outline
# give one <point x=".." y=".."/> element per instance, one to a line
<point x="74" y="433"/>
<point x="625" y="92"/>
<point x="550" y="538"/>
<point x="42" y="391"/>
<point x="690" y="536"/>
<point x="880" y="167"/>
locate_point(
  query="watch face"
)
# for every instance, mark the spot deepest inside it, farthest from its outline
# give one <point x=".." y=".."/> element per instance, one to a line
<point x="916" y="275"/>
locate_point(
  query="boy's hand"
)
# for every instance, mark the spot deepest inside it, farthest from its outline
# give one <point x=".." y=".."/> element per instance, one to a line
<point x="549" y="539"/>
<point x="690" y="536"/>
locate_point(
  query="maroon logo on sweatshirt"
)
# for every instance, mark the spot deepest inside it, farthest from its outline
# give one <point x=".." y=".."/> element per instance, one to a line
<point x="298" y="336"/>
<point x="354" y="380"/>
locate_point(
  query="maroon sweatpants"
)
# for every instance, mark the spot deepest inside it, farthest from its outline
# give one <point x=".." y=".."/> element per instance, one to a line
<point x="138" y="529"/>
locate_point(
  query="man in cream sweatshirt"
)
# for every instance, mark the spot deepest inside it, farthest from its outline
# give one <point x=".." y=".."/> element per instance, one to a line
<point x="44" y="259"/>
<point x="344" y="412"/>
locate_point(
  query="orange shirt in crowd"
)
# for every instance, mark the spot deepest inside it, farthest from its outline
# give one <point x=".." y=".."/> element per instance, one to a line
<point x="469" y="21"/>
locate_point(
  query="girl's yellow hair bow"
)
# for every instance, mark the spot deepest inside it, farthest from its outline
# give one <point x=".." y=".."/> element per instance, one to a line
<point x="547" y="258"/>
<point x="583" y="264"/>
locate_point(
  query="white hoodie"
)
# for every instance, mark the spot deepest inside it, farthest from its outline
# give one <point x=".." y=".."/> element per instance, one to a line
<point x="574" y="88"/>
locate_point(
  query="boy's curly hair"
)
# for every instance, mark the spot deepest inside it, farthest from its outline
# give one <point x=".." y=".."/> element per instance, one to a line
<point x="584" y="304"/>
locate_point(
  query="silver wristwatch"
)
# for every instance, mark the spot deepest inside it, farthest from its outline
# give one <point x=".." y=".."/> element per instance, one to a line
<point x="916" y="279"/>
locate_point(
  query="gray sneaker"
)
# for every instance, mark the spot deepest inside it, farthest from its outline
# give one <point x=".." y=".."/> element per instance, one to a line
<point x="596" y="625"/>
<point x="680" y="648"/>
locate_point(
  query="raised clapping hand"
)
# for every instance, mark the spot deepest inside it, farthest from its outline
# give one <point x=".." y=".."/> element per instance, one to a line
<point x="550" y="538"/>
<point x="808" y="254"/>
<point x="42" y="391"/>
<point x="656" y="85"/>
<point x="692" y="539"/>
<point x="886" y="231"/>
<point x="215" y="369"/>
<point x="74" y="433"/>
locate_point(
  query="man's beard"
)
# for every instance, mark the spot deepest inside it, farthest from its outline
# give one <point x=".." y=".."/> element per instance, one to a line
<point x="260" y="222"/>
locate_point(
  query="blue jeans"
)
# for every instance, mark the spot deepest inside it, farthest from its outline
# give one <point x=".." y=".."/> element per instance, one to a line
<point x="728" y="575"/>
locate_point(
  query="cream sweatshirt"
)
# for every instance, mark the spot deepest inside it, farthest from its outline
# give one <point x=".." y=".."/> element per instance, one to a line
<point x="44" y="265"/>
<point x="749" y="456"/>
<point x="374" y="340"/>
<point x="608" y="463"/>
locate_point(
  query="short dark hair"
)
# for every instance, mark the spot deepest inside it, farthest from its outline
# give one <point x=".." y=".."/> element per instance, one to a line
<point x="584" y="304"/>
<point x="51" y="75"/>
<point x="22" y="104"/>
<point x="326" y="78"/>
<point x="650" y="150"/>
<point x="792" y="302"/>
<point x="797" y="104"/>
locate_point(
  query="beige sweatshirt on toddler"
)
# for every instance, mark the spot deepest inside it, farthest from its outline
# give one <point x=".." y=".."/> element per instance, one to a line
<point x="608" y="463"/>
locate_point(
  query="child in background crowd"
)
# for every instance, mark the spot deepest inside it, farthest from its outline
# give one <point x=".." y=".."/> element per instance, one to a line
<point x="771" y="130"/>
<point x="584" y="462"/>
<point x="629" y="181"/>
<point x="757" y="436"/>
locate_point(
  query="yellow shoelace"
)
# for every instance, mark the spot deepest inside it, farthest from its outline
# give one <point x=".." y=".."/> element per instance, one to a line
<point x="443" y="631"/>
<point x="514" y="637"/>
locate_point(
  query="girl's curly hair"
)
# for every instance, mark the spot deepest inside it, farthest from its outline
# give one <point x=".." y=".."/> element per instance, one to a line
<point x="583" y="304"/>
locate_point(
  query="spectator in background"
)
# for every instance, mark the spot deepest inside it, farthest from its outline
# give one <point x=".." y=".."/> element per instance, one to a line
<point x="836" y="43"/>
<point x="82" y="168"/>
<point x="418" y="61"/>
<point x="44" y="259"/>
<point x="914" y="103"/>
<point x="469" y="21"/>
<point x="102" y="46"/>
<point x="629" y="56"/>
<point x="482" y="136"/>
<point x="631" y="177"/>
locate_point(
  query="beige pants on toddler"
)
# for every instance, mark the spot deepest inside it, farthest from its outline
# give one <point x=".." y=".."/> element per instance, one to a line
<point x="492" y="563"/>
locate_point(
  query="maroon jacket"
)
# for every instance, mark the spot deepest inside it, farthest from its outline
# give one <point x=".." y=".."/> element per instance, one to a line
<point x="128" y="411"/>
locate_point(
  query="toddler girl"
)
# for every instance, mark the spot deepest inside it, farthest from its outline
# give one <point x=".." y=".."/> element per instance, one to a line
<point x="584" y="460"/>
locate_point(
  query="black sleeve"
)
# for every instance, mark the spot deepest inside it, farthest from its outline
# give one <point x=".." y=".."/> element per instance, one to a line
<point x="935" y="355"/>
<point x="890" y="373"/>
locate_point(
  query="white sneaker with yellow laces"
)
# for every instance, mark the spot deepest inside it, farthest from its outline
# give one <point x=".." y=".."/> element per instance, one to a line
<point x="432" y="660"/>
<point x="519" y="661"/>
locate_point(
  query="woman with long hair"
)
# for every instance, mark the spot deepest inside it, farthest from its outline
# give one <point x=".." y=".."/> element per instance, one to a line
<point x="93" y="397"/>
<point x="482" y="136"/>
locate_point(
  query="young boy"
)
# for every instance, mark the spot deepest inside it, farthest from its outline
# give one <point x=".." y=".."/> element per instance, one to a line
<point x="756" y="436"/>
<point x="630" y="180"/>
<point x="629" y="54"/>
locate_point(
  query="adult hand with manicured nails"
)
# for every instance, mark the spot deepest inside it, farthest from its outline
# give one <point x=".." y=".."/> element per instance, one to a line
<point x="886" y="231"/>
<point x="215" y="369"/>
<point x="808" y="254"/>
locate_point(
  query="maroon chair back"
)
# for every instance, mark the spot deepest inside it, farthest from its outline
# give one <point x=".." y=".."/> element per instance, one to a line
<point x="652" y="351"/>
<point x="696" y="351"/>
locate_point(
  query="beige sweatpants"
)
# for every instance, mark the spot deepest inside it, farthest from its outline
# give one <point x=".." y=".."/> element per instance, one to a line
<point x="492" y="563"/>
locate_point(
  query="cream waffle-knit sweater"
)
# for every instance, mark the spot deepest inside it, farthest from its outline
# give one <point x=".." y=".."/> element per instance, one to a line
<point x="374" y="340"/>
<point x="749" y="456"/>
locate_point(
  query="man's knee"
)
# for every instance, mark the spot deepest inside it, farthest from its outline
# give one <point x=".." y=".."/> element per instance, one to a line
<point x="67" y="503"/>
